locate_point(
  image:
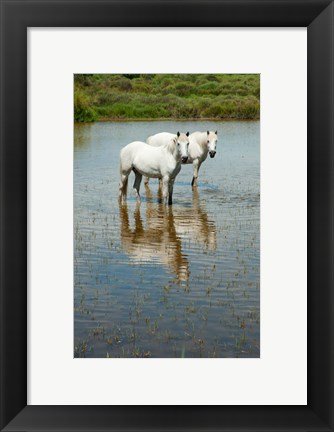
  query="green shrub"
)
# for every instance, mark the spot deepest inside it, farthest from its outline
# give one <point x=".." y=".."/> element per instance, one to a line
<point x="82" y="111"/>
<point x="209" y="88"/>
<point x="127" y="96"/>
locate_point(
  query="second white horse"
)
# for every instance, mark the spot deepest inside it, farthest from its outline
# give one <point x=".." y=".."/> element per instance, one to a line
<point x="200" y="145"/>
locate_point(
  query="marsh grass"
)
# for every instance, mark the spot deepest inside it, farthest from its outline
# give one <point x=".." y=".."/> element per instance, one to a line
<point x="162" y="96"/>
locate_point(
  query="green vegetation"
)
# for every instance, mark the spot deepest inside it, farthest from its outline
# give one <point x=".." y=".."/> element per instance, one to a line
<point x="174" y="96"/>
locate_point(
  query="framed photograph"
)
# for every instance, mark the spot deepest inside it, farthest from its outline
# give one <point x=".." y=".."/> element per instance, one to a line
<point x="167" y="248"/>
<point x="192" y="284"/>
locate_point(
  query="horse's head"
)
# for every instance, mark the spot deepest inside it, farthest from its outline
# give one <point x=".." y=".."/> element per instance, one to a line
<point x="212" y="142"/>
<point x="182" y="143"/>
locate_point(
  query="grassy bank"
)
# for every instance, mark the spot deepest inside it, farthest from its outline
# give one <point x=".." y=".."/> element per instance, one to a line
<point x="181" y="96"/>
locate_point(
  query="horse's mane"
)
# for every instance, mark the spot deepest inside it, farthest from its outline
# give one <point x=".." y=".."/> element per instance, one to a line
<point x="170" y="146"/>
<point x="203" y="139"/>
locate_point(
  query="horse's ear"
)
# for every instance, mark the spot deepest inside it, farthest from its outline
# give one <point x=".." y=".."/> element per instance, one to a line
<point x="208" y="132"/>
<point x="187" y="134"/>
<point x="178" y="134"/>
<point x="216" y="132"/>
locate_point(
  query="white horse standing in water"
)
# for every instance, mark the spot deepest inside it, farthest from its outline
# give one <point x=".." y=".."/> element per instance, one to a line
<point x="162" y="162"/>
<point x="200" y="145"/>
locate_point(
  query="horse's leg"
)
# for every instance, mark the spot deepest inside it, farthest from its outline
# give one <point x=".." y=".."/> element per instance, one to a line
<point x="165" y="187"/>
<point x="136" y="184"/>
<point x="170" y="191"/>
<point x="146" y="180"/>
<point x="160" y="192"/>
<point x="196" y="167"/>
<point x="123" y="186"/>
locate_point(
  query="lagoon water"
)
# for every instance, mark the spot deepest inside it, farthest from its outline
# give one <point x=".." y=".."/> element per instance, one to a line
<point x="178" y="281"/>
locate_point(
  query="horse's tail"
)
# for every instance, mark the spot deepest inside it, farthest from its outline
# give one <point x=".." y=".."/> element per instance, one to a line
<point x="123" y="181"/>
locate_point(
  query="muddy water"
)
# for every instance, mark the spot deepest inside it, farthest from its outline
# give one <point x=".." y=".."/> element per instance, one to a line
<point x="181" y="281"/>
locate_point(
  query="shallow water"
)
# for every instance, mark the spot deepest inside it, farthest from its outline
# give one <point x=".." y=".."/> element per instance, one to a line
<point x="181" y="281"/>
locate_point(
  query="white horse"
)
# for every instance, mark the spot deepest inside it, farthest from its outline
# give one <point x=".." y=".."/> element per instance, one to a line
<point x="200" y="145"/>
<point x="163" y="162"/>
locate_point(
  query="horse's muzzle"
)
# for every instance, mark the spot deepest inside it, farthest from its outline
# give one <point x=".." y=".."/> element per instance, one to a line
<point x="184" y="159"/>
<point x="212" y="154"/>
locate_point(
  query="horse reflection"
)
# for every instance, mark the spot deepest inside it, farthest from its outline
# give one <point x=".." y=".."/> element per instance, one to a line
<point x="194" y="223"/>
<point x="157" y="241"/>
<point x="160" y="239"/>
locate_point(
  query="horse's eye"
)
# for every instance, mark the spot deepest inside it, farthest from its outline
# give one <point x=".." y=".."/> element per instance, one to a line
<point x="208" y="142"/>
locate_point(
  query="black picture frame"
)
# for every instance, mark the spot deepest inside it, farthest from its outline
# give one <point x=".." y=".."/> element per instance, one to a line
<point x="16" y="17"/>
